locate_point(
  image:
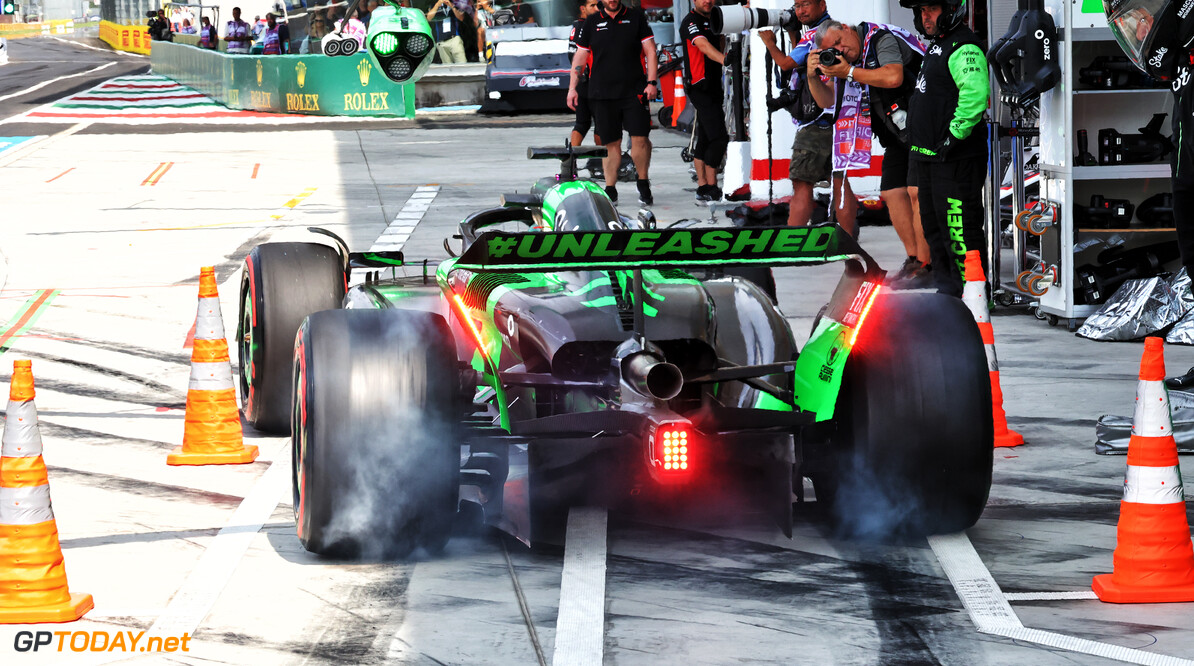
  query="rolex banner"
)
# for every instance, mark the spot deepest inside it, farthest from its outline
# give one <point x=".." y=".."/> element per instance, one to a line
<point x="310" y="84"/>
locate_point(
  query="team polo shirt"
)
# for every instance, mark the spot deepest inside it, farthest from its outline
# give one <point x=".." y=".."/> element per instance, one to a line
<point x="572" y="37"/>
<point x="616" y="42"/>
<point x="700" y="67"/>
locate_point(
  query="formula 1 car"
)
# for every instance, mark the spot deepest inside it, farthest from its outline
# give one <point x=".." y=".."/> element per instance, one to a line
<point x="586" y="358"/>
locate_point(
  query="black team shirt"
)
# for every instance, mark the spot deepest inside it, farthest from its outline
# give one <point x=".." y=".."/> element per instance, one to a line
<point x="616" y="42"/>
<point x="701" y="69"/>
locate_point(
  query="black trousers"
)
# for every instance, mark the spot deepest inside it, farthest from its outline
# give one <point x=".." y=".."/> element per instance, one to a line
<point x="1183" y="165"/>
<point x="951" y="212"/>
<point x="712" y="138"/>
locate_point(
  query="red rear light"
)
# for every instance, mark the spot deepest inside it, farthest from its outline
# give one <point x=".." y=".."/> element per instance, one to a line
<point x="863" y="302"/>
<point x="670" y="448"/>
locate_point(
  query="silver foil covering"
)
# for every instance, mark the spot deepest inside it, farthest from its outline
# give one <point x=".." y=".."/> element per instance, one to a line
<point x="1138" y="308"/>
<point x="1181" y="285"/>
<point x="1182" y="333"/>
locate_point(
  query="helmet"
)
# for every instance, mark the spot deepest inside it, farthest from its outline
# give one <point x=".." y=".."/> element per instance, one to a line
<point x="952" y="15"/>
<point x="1151" y="32"/>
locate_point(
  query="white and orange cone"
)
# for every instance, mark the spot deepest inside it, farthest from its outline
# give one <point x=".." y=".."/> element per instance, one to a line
<point x="33" y="585"/>
<point x="679" y="101"/>
<point x="974" y="295"/>
<point x="1154" y="559"/>
<point x="213" y="434"/>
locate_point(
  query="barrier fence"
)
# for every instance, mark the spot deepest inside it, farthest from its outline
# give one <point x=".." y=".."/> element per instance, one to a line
<point x="309" y="84"/>
<point x="131" y="38"/>
<point x="32" y="29"/>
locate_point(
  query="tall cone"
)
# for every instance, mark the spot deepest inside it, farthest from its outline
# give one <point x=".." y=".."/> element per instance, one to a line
<point x="680" y="100"/>
<point x="974" y="295"/>
<point x="32" y="574"/>
<point x="213" y="434"/>
<point x="1154" y="560"/>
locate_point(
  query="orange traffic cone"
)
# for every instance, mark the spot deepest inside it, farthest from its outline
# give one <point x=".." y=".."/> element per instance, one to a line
<point x="680" y="100"/>
<point x="32" y="574"/>
<point x="213" y="435"/>
<point x="974" y="295"/>
<point x="1154" y="560"/>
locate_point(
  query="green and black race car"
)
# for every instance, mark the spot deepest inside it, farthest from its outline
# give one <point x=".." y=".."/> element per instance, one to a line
<point x="584" y="358"/>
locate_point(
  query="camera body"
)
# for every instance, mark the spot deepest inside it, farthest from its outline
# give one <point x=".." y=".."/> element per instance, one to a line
<point x="830" y="56"/>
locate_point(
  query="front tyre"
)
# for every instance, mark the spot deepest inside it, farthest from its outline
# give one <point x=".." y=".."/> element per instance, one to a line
<point x="281" y="284"/>
<point x="375" y="436"/>
<point x="914" y="446"/>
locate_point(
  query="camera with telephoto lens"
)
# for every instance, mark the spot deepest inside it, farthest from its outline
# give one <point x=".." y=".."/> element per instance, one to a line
<point x="783" y="100"/>
<point x="830" y="56"/>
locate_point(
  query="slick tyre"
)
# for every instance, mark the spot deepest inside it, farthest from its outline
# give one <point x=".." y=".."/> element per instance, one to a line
<point x="281" y="284"/>
<point x="914" y="442"/>
<point x="375" y="435"/>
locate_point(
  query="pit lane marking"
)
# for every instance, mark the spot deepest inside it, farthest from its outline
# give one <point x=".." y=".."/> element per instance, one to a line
<point x="580" y="626"/>
<point x="992" y="614"/>
<point x="399" y="231"/>
<point x="153" y="178"/>
<point x="26" y="317"/>
<point x="43" y="84"/>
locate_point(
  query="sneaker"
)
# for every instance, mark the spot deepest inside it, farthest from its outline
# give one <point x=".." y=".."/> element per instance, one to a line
<point x="708" y="193"/>
<point x="644" y="192"/>
<point x="920" y="277"/>
<point x="702" y="193"/>
<point x="910" y="265"/>
<point x="1181" y="382"/>
<point x="612" y="192"/>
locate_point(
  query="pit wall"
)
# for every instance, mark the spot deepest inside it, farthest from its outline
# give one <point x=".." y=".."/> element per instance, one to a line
<point x="130" y="38"/>
<point x="307" y="84"/>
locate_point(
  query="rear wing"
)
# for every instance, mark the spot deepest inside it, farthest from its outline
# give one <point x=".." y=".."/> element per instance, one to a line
<point x="499" y="251"/>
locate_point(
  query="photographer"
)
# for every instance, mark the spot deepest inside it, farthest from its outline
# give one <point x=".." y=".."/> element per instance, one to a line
<point x="704" y="62"/>
<point x="949" y="138"/>
<point x="159" y="27"/>
<point x="811" y="149"/>
<point x="873" y="67"/>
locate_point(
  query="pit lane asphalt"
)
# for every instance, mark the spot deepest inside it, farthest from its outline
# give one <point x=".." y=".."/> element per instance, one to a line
<point x="717" y="588"/>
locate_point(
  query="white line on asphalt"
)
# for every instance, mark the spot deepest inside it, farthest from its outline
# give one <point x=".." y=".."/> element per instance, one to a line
<point x="43" y="84"/>
<point x="31" y="147"/>
<point x="992" y="614"/>
<point x="1045" y="596"/>
<point x="399" y="231"/>
<point x="194" y="600"/>
<point x="580" y="626"/>
<point x="96" y="48"/>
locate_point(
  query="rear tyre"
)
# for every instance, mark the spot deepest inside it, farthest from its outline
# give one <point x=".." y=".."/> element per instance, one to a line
<point x="914" y="442"/>
<point x="375" y="440"/>
<point x="281" y="284"/>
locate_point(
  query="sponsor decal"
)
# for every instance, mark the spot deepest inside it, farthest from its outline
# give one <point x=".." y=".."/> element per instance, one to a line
<point x="260" y="98"/>
<point x="953" y="220"/>
<point x="234" y="97"/>
<point x="921" y="84"/>
<point x="363" y="71"/>
<point x="302" y="102"/>
<point x="935" y="49"/>
<point x="664" y="246"/>
<point x="538" y="81"/>
<point x="1158" y="56"/>
<point x="258" y="73"/>
<point x="300" y="72"/>
<point x="1185" y="10"/>
<point x="366" y="101"/>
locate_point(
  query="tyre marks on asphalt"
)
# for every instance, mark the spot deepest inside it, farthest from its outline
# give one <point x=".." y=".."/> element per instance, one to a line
<point x="399" y="231"/>
<point x="991" y="613"/>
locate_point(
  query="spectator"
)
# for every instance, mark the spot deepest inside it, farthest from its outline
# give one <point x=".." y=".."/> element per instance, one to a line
<point x="875" y="76"/>
<point x="446" y="20"/>
<point x="187" y="28"/>
<point x="811" y="149"/>
<point x="621" y="82"/>
<point x="584" y="116"/>
<point x="238" y="34"/>
<point x="705" y="93"/>
<point x="258" y="26"/>
<point x="276" y="37"/>
<point x="208" y="37"/>
<point x="484" y="16"/>
<point x="355" y="29"/>
<point x="365" y="12"/>
<point x="159" y="27"/>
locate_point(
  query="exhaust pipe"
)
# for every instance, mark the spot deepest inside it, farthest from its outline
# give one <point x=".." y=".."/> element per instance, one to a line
<point x="652" y="377"/>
